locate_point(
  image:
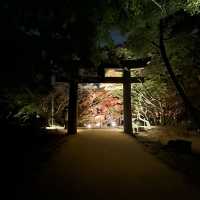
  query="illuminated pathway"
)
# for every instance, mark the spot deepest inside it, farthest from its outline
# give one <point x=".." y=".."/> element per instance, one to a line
<point x="105" y="165"/>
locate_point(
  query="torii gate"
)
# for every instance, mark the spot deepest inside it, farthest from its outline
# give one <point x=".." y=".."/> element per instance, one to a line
<point x="126" y="80"/>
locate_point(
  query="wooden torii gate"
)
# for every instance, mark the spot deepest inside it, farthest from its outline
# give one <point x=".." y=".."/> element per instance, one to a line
<point x="126" y="80"/>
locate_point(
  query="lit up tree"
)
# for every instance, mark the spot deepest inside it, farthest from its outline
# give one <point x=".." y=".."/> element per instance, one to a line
<point x="99" y="107"/>
<point x="60" y="105"/>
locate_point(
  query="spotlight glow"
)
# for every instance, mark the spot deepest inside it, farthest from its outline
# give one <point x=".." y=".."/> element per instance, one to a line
<point x="89" y="126"/>
<point x="98" y="124"/>
<point x="54" y="127"/>
<point x="113" y="124"/>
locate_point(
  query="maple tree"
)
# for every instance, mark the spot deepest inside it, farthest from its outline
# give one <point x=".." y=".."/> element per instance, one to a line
<point x="99" y="105"/>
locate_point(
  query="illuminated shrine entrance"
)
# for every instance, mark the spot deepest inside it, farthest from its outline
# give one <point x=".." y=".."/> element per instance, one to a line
<point x="100" y="105"/>
<point x="125" y="68"/>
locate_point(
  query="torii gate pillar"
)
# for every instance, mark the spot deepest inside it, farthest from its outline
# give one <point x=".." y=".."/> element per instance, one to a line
<point x="73" y="99"/>
<point x="127" y="102"/>
<point x="72" y="111"/>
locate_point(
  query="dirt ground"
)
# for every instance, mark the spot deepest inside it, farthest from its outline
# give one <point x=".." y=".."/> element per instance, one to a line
<point x="155" y="139"/>
<point x="103" y="164"/>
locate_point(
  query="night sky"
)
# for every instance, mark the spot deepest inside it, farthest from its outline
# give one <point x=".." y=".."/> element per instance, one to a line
<point x="117" y="37"/>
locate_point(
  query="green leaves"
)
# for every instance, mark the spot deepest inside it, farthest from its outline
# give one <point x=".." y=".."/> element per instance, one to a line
<point x="193" y="6"/>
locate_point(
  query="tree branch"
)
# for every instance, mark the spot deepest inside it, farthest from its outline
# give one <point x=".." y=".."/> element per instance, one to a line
<point x="158" y="5"/>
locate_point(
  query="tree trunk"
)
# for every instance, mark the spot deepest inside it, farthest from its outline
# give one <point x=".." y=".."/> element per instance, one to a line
<point x="193" y="113"/>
